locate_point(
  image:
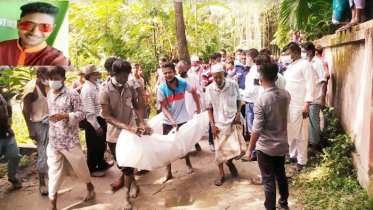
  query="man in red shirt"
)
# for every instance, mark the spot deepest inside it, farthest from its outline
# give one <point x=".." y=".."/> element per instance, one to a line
<point x="30" y="49"/>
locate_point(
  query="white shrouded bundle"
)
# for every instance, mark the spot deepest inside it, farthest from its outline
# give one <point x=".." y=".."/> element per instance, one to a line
<point x="156" y="151"/>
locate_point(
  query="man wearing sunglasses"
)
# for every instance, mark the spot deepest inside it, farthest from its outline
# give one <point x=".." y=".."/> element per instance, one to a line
<point x="30" y="49"/>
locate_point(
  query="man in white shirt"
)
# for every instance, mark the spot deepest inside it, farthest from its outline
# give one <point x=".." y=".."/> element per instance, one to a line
<point x="251" y="92"/>
<point x="320" y="80"/>
<point x="300" y="85"/>
<point x="224" y="105"/>
<point x="182" y="68"/>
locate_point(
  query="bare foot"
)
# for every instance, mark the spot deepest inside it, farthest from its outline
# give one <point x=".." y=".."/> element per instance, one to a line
<point x="168" y="177"/>
<point x="43" y="190"/>
<point x="127" y="204"/>
<point x="90" y="195"/>
<point x="134" y="191"/>
<point x="190" y="169"/>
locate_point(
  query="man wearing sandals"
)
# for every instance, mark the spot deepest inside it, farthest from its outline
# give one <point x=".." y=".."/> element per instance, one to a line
<point x="117" y="99"/>
<point x="8" y="144"/>
<point x="224" y="106"/>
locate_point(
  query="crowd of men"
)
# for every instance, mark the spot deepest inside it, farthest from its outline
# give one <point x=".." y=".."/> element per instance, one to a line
<point x="249" y="96"/>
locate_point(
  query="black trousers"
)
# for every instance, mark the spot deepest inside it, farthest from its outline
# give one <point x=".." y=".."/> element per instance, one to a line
<point x="272" y="168"/>
<point x="168" y="128"/>
<point x="128" y="171"/>
<point x="96" y="146"/>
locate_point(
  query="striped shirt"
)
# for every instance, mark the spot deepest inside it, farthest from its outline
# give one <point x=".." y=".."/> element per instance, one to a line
<point x="91" y="103"/>
<point x="207" y="77"/>
<point x="175" y="100"/>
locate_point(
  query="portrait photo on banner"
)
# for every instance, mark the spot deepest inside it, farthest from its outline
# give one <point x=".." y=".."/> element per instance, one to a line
<point x="34" y="33"/>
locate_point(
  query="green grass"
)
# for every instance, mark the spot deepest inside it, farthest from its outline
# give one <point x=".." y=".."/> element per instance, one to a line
<point x="330" y="183"/>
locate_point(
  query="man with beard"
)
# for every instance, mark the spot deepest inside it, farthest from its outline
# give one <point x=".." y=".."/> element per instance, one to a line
<point x="171" y="95"/>
<point x="224" y="104"/>
<point x="192" y="79"/>
<point x="30" y="49"/>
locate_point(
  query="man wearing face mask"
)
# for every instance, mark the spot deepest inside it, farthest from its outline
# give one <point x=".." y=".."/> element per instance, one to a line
<point x="240" y="72"/>
<point x="36" y="24"/>
<point x="65" y="112"/>
<point x="35" y="111"/>
<point x="95" y="130"/>
<point x="182" y="68"/>
<point x="320" y="79"/>
<point x="119" y="103"/>
<point x="300" y="84"/>
<point x="251" y="92"/>
<point x="238" y="57"/>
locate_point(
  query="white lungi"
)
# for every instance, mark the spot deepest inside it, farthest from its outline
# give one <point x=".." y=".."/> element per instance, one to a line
<point x="56" y="170"/>
<point x="298" y="135"/>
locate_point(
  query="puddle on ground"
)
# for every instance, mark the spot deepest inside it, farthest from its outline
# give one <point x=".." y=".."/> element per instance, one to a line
<point x="187" y="198"/>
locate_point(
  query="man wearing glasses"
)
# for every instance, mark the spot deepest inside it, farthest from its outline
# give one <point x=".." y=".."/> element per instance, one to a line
<point x="30" y="49"/>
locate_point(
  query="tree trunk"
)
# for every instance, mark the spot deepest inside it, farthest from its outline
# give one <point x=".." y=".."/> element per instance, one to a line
<point x="180" y="32"/>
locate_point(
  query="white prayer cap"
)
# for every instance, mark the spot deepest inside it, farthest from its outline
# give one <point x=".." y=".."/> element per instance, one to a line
<point x="217" y="68"/>
<point x="194" y="58"/>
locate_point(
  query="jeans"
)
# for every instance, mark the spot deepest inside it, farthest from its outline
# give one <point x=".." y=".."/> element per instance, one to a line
<point x="9" y="148"/>
<point x="272" y="168"/>
<point x="249" y="109"/>
<point x="314" y="124"/>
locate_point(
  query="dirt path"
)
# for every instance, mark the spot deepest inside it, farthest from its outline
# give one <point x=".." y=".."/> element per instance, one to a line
<point x="195" y="191"/>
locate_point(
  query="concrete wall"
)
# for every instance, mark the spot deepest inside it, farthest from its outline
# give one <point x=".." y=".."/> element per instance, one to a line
<point x="350" y="58"/>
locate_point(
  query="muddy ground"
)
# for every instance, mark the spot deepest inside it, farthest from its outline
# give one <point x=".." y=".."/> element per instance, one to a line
<point x="185" y="191"/>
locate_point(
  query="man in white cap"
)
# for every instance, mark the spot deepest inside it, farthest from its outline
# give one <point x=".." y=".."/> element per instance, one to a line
<point x="224" y="104"/>
<point x="95" y="128"/>
<point x="197" y="70"/>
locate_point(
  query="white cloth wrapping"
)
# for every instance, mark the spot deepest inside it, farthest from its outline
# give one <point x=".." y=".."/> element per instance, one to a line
<point x="156" y="151"/>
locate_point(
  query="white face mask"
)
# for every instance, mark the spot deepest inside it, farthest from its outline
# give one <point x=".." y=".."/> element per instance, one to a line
<point x="195" y="68"/>
<point x="115" y="82"/>
<point x="98" y="81"/>
<point x="45" y="82"/>
<point x="303" y="55"/>
<point x="55" y="85"/>
<point x="287" y="59"/>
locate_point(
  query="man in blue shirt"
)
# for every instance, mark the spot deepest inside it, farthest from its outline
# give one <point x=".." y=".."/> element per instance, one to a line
<point x="171" y="95"/>
<point x="239" y="73"/>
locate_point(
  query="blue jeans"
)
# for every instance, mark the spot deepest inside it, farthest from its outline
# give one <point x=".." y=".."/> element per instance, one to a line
<point x="249" y="110"/>
<point x="9" y="148"/>
<point x="314" y="124"/>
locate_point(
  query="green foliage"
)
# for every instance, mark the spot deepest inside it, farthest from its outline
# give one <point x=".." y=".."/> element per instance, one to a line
<point x="331" y="182"/>
<point x="20" y="129"/>
<point x="312" y="16"/>
<point x="14" y="80"/>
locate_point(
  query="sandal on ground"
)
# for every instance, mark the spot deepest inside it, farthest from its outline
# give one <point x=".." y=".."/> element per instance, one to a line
<point x="17" y="184"/>
<point x="256" y="181"/>
<point x="220" y="181"/>
<point x="116" y="185"/>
